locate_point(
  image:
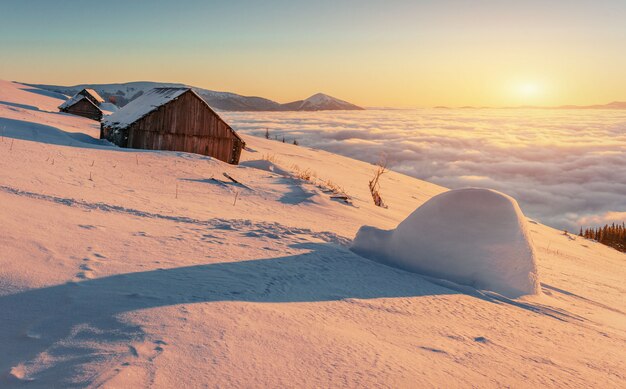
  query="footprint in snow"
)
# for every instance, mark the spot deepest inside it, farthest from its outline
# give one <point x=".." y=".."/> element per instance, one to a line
<point x="481" y="339"/>
<point x="84" y="275"/>
<point x="146" y="350"/>
<point x="433" y="350"/>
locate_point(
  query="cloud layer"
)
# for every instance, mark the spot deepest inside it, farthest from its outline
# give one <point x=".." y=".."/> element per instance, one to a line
<point x="566" y="168"/>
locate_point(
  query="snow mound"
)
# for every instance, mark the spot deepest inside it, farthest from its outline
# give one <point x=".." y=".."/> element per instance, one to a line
<point x="476" y="237"/>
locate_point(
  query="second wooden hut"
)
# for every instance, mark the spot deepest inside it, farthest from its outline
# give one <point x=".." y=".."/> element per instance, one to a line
<point x="85" y="103"/>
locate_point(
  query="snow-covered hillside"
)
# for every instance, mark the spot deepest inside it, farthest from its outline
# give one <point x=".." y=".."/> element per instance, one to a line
<point x="122" y="93"/>
<point x="129" y="268"/>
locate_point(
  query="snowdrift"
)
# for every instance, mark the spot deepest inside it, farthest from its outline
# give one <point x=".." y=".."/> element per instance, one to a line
<point x="476" y="237"/>
<point x="37" y="132"/>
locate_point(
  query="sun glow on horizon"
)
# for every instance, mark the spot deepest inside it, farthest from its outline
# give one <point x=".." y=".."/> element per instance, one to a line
<point x="529" y="90"/>
<point x="535" y="90"/>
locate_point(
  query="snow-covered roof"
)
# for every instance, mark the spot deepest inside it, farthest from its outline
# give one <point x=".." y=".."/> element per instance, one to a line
<point x="147" y="103"/>
<point x="75" y="100"/>
<point x="95" y="95"/>
<point x="142" y="106"/>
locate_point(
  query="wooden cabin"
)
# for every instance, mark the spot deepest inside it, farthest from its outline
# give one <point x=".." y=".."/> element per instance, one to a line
<point x="82" y="106"/>
<point x="176" y="119"/>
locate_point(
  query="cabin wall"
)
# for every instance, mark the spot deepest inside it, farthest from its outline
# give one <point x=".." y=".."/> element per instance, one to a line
<point x="186" y="124"/>
<point x="115" y="136"/>
<point x="85" y="109"/>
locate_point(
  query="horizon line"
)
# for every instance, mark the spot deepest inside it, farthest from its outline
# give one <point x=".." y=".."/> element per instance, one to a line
<point x="381" y="107"/>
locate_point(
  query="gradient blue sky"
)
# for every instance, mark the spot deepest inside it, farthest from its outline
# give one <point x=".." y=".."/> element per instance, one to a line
<point x="393" y="53"/>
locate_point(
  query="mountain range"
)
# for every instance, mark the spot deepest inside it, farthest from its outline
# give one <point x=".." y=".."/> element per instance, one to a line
<point x="122" y="93"/>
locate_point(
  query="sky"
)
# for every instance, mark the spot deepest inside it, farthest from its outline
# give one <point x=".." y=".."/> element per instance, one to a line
<point x="373" y="53"/>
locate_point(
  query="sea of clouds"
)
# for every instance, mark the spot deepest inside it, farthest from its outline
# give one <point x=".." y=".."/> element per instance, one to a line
<point x="566" y="168"/>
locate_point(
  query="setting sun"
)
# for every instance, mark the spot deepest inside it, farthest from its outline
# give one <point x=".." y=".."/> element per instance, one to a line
<point x="529" y="90"/>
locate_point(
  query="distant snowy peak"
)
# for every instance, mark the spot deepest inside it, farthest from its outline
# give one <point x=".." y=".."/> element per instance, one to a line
<point x="321" y="102"/>
<point x="122" y="93"/>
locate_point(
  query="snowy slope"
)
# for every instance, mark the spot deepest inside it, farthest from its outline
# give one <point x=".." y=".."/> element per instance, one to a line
<point x="122" y="93"/>
<point x="123" y="268"/>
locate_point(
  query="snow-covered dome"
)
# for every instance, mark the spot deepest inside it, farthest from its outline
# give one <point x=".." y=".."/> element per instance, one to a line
<point x="476" y="237"/>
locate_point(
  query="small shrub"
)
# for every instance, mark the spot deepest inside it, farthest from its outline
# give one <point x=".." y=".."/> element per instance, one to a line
<point x="374" y="184"/>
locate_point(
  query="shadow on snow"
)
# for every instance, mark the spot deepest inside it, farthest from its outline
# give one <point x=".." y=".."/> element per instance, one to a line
<point x="64" y="321"/>
<point x="25" y="130"/>
<point x="43" y="319"/>
<point x="36" y="132"/>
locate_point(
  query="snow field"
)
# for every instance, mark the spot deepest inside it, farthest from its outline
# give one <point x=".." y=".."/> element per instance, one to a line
<point x="125" y="268"/>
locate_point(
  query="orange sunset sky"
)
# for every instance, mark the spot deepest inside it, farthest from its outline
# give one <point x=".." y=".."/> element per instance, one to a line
<point x="372" y="53"/>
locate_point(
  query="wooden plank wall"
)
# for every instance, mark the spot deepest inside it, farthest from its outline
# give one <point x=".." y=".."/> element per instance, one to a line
<point x="186" y="124"/>
<point x="85" y="109"/>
